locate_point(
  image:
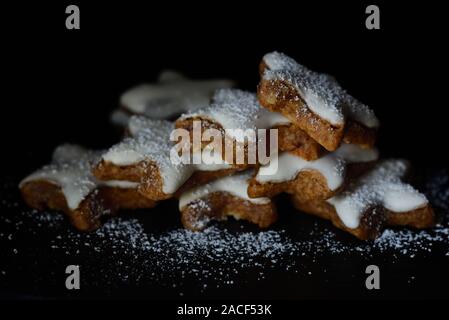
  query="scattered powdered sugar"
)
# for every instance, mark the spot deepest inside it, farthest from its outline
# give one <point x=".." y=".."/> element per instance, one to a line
<point x="217" y="256"/>
<point x="128" y="250"/>
<point x="219" y="245"/>
<point x="322" y="93"/>
<point x="410" y="242"/>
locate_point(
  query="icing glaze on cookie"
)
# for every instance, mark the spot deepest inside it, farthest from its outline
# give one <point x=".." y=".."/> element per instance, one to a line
<point x="70" y="169"/>
<point x="211" y="161"/>
<point x="236" y="185"/>
<point x="382" y="186"/>
<point x="322" y="93"/>
<point x="332" y="166"/>
<point x="120" y="118"/>
<point x="150" y="140"/>
<point x="119" y="184"/>
<point x="173" y="94"/>
<point x="237" y="109"/>
<point x="353" y="153"/>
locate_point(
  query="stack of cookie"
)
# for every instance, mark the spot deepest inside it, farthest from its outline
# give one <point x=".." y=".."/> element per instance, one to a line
<point x="347" y="184"/>
<point x="321" y="137"/>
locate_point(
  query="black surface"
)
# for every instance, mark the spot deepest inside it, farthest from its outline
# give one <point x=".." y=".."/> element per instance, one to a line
<point x="61" y="86"/>
<point x="35" y="253"/>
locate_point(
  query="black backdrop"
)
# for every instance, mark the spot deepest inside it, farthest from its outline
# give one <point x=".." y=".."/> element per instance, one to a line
<point x="61" y="84"/>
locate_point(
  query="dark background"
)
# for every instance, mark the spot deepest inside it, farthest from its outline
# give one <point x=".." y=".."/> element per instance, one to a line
<point x="61" y="85"/>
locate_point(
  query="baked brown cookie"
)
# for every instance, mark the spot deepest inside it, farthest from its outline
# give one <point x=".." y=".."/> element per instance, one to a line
<point x="166" y="99"/>
<point x="315" y="102"/>
<point x="68" y="185"/>
<point x="223" y="198"/>
<point x="236" y="118"/>
<point x="374" y="201"/>
<point x="149" y="158"/>
<point x="309" y="180"/>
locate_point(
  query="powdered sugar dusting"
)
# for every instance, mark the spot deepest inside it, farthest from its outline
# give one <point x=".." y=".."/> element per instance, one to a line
<point x="360" y="112"/>
<point x="380" y="186"/>
<point x="71" y="170"/>
<point x="150" y="141"/>
<point x="131" y="251"/>
<point x="217" y="257"/>
<point x="236" y="109"/>
<point x="322" y="93"/>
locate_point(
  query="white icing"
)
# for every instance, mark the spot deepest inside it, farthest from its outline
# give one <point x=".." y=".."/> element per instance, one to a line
<point x="120" y="118"/>
<point x="150" y="141"/>
<point x="267" y="119"/>
<point x="122" y="156"/>
<point x="360" y="112"/>
<point x="172" y="95"/>
<point x="120" y="184"/>
<point x="289" y="166"/>
<point x="236" y="111"/>
<point x="236" y="185"/>
<point x="380" y="186"/>
<point x="322" y="93"/>
<point x="353" y="153"/>
<point x="319" y="106"/>
<point x="67" y="153"/>
<point x="211" y="161"/>
<point x="70" y="169"/>
<point x="332" y="166"/>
